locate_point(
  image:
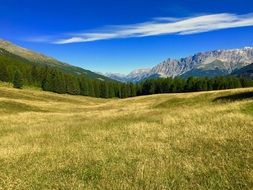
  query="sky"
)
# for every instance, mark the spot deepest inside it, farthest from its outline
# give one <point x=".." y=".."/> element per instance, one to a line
<point x="120" y="36"/>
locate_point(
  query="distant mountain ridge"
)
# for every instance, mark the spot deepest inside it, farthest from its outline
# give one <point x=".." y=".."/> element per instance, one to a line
<point x="134" y="76"/>
<point x="210" y="64"/>
<point x="45" y="60"/>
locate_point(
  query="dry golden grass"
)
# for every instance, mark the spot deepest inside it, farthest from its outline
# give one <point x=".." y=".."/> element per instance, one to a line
<point x="169" y="141"/>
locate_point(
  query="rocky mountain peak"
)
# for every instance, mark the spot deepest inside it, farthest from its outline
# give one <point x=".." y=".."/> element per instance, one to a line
<point x="210" y="63"/>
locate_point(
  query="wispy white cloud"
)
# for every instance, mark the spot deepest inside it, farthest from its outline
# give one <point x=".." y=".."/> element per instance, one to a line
<point x="163" y="26"/>
<point x="38" y="39"/>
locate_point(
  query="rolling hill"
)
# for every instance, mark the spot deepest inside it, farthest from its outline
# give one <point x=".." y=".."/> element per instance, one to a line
<point x="170" y="141"/>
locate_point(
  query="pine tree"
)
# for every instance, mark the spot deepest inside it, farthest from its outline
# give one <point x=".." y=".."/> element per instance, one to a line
<point x="84" y="87"/>
<point x="93" y="89"/>
<point x="133" y="90"/>
<point x="18" y="80"/>
<point x="104" y="90"/>
<point x="72" y="85"/>
<point x="60" y="85"/>
<point x="4" y="76"/>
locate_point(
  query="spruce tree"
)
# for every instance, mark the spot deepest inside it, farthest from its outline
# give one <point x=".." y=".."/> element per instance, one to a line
<point x="4" y="76"/>
<point x="91" y="90"/>
<point x="18" y="80"/>
<point x="84" y="87"/>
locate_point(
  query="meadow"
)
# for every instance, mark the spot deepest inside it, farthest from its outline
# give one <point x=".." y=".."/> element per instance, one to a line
<point x="170" y="141"/>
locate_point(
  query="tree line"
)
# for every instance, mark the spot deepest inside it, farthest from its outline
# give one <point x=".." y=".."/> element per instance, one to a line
<point x="192" y="84"/>
<point x="21" y="72"/>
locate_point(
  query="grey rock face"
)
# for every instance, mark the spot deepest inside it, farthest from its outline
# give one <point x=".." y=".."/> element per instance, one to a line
<point x="231" y="59"/>
<point x="213" y="62"/>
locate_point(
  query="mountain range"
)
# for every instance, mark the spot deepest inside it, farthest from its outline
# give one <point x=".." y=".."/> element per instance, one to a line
<point x="209" y="64"/>
<point x="206" y="64"/>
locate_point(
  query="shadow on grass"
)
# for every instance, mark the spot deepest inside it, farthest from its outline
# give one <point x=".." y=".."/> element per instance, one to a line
<point x="16" y="107"/>
<point x="235" y="97"/>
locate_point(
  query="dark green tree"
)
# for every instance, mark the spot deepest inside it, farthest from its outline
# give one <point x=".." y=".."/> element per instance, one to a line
<point x="72" y="85"/>
<point x="4" y="75"/>
<point x="18" y="80"/>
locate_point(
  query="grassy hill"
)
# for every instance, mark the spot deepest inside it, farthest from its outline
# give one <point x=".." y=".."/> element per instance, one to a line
<point x="170" y="141"/>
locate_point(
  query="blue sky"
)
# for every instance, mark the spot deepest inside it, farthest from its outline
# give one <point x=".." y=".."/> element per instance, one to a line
<point x="119" y="36"/>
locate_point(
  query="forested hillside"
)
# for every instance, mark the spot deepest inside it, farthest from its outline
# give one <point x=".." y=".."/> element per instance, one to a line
<point x="41" y="59"/>
<point x="246" y="71"/>
<point x="55" y="80"/>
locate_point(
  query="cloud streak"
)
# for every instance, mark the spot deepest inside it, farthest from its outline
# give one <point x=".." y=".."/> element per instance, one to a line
<point x="163" y="26"/>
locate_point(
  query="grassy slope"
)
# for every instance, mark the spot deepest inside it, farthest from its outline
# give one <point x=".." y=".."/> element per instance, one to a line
<point x="176" y="141"/>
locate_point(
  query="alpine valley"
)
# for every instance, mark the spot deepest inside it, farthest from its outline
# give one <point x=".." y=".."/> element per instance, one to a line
<point x="206" y="64"/>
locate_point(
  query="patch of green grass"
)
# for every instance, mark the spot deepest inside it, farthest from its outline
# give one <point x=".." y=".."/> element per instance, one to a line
<point x="12" y="107"/>
<point x="248" y="109"/>
<point x="185" y="101"/>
